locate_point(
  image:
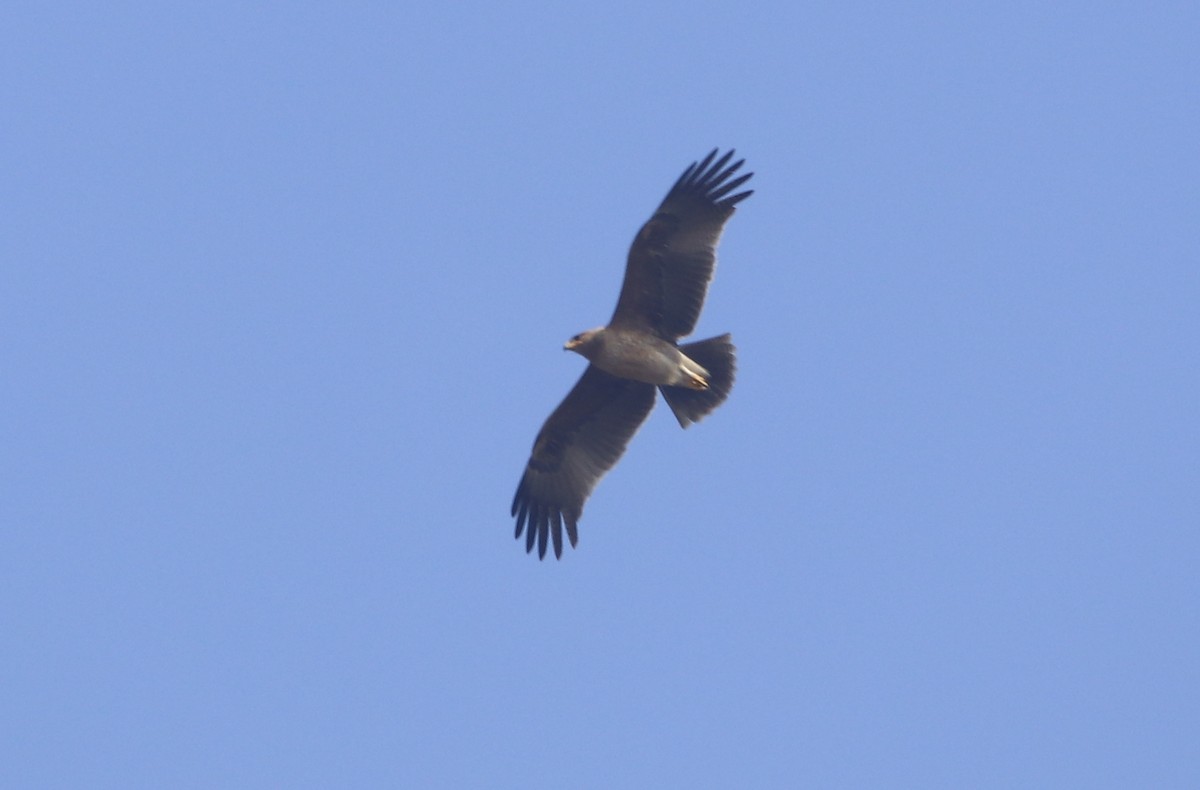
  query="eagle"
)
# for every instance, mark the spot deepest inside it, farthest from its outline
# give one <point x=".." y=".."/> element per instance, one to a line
<point x="670" y="264"/>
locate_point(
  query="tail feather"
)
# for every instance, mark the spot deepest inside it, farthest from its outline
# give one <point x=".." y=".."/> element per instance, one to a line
<point x="716" y="355"/>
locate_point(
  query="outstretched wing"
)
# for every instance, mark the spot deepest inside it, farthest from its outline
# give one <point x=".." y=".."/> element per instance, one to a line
<point x="579" y="443"/>
<point x="672" y="258"/>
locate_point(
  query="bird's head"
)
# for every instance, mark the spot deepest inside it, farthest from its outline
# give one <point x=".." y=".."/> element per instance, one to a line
<point x="584" y="341"/>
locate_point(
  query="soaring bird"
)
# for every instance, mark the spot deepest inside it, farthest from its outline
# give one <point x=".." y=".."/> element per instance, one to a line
<point x="670" y="264"/>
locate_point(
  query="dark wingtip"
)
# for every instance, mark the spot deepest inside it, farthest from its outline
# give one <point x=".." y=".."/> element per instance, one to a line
<point x="530" y="535"/>
<point x="710" y="175"/>
<point x="543" y="533"/>
<point x="709" y="179"/>
<point x="556" y="534"/>
<point x="541" y="524"/>
<point x="696" y="167"/>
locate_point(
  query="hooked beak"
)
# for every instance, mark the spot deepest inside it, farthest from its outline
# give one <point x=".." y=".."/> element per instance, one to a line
<point x="570" y="345"/>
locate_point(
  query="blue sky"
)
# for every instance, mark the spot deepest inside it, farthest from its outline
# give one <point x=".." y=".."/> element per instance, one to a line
<point x="282" y="301"/>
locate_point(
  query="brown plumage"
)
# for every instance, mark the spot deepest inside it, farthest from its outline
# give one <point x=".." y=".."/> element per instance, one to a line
<point x="670" y="265"/>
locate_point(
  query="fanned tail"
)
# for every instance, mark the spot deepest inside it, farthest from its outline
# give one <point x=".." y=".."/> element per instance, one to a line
<point x="716" y="355"/>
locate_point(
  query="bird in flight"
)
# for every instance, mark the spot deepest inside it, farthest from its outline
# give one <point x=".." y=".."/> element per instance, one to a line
<point x="670" y="265"/>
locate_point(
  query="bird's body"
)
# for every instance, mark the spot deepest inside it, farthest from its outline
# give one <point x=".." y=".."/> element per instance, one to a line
<point x="634" y="355"/>
<point x="670" y="265"/>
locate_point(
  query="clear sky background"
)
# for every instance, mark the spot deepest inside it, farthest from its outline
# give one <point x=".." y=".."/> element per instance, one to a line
<point x="282" y="297"/>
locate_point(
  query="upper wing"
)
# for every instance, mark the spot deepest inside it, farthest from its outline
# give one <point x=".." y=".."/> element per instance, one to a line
<point x="672" y="258"/>
<point x="580" y="441"/>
